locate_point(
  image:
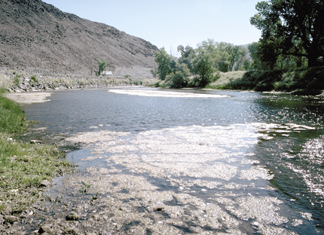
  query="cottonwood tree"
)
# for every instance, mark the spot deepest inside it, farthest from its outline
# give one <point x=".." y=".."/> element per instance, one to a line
<point x="187" y="56"/>
<point x="180" y="77"/>
<point x="226" y="56"/>
<point x="204" y="68"/>
<point x="165" y="63"/>
<point x="291" y="28"/>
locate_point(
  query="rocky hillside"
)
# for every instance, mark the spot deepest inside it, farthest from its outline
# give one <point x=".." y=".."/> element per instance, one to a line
<point x="37" y="36"/>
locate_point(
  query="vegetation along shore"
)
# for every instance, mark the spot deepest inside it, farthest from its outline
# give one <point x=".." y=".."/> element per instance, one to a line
<point x="225" y="66"/>
<point x="288" y="57"/>
<point x="26" y="169"/>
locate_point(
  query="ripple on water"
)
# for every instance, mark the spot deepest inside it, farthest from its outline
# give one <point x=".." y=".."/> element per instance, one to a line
<point x="186" y="179"/>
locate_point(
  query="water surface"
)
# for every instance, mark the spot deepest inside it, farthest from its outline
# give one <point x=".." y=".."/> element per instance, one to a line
<point x="193" y="162"/>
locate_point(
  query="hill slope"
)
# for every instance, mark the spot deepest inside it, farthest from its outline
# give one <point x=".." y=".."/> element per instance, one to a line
<point x="37" y="35"/>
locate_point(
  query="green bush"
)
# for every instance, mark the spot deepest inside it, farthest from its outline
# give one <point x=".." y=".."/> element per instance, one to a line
<point x="34" y="78"/>
<point x="178" y="80"/>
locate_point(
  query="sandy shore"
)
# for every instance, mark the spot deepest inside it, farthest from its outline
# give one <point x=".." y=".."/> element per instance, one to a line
<point x="156" y="93"/>
<point x="29" y="98"/>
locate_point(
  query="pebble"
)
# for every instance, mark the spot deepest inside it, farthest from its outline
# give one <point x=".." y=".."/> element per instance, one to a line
<point x="35" y="141"/>
<point x="45" y="183"/>
<point x="11" y="219"/>
<point x="96" y="217"/>
<point x="74" y="231"/>
<point x="255" y="223"/>
<point x="45" y="228"/>
<point x="72" y="216"/>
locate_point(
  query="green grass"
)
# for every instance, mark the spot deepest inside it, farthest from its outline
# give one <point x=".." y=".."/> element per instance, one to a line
<point x="12" y="118"/>
<point x="23" y="165"/>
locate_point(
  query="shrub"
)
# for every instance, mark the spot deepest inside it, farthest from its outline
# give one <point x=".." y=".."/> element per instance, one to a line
<point x="34" y="78"/>
<point x="310" y="79"/>
<point x="178" y="80"/>
<point x="16" y="79"/>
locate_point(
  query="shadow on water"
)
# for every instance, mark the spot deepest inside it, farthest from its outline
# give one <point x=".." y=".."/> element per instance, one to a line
<point x="297" y="163"/>
<point x="296" y="158"/>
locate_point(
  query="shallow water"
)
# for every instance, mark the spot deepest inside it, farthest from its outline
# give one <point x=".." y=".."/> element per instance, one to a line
<point x="190" y="162"/>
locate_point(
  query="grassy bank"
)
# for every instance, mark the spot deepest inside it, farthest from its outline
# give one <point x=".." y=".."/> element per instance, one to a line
<point x="226" y="78"/>
<point x="304" y="81"/>
<point x="23" y="166"/>
<point x="300" y="82"/>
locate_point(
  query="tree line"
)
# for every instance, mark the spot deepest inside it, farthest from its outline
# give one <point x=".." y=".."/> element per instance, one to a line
<point x="292" y="40"/>
<point x="292" y="34"/>
<point x="201" y="66"/>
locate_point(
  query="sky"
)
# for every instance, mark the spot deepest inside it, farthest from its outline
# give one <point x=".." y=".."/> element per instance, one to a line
<point x="170" y="23"/>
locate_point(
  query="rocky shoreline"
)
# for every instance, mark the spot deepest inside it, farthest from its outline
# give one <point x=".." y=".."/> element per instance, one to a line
<point x="51" y="83"/>
<point x="22" y="81"/>
<point x="20" y="199"/>
<point x="38" y="217"/>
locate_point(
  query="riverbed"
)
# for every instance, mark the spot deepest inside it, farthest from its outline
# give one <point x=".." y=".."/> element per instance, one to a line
<point x="154" y="161"/>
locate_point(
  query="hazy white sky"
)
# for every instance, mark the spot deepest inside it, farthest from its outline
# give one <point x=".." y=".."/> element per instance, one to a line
<point x="169" y="23"/>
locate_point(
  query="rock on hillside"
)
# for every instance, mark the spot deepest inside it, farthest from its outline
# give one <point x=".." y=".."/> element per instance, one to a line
<point x="36" y="35"/>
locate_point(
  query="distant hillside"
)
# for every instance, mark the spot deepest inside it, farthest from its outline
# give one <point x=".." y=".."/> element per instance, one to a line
<point x="37" y="35"/>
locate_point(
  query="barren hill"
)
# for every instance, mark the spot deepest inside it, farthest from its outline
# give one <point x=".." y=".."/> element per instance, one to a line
<point x="36" y="35"/>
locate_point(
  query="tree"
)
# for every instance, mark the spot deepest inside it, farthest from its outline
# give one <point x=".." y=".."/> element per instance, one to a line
<point x="179" y="78"/>
<point x="226" y="56"/>
<point x="165" y="63"/>
<point x="291" y="28"/>
<point x="237" y="57"/>
<point x="187" y="56"/>
<point x="204" y="68"/>
<point x="102" y="66"/>
<point x="256" y="57"/>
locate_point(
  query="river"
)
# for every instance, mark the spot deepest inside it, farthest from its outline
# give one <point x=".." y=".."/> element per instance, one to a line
<point x="154" y="161"/>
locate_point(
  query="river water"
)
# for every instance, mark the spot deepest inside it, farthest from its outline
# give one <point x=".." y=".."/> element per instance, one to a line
<point x="155" y="161"/>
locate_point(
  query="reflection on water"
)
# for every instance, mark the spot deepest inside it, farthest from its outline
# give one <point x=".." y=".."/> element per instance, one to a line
<point x="244" y="163"/>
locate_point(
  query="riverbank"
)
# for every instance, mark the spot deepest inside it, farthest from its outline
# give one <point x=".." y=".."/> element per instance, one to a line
<point x="152" y="162"/>
<point x="26" y="169"/>
<point x="20" y="81"/>
<point x="298" y="82"/>
<point x="308" y="81"/>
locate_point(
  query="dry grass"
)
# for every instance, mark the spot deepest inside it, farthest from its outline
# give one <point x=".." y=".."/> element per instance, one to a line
<point x="5" y="80"/>
<point x="226" y="78"/>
